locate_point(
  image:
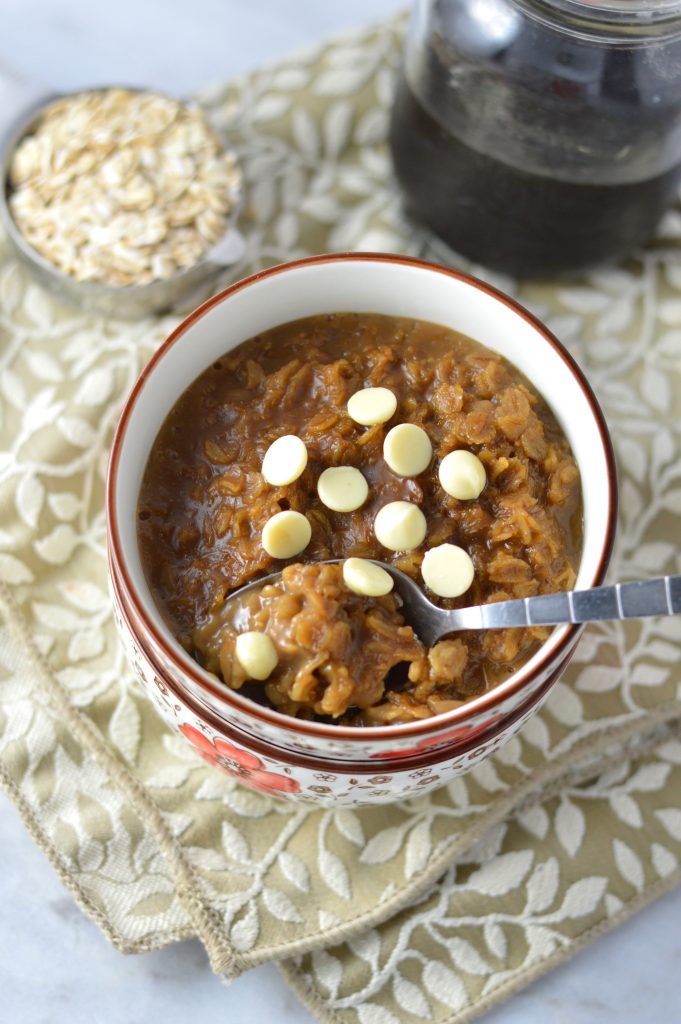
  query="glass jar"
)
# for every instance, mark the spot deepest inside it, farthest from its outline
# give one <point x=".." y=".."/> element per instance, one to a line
<point x="539" y="136"/>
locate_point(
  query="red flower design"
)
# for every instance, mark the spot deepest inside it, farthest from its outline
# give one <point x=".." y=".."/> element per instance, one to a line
<point x="241" y="763"/>
<point x="462" y="733"/>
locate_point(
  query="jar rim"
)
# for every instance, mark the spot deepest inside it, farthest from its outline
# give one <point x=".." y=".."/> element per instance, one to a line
<point x="634" y="19"/>
<point x="632" y="10"/>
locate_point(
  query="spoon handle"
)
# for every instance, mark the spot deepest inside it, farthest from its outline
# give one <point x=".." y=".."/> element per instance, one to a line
<point x="661" y="596"/>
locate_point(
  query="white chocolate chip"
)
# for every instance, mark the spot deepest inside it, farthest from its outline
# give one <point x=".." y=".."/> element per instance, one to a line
<point x="407" y="449"/>
<point x="284" y="461"/>
<point x="364" y="577"/>
<point x="400" y="526"/>
<point x="286" y="534"/>
<point x="462" y="475"/>
<point x="372" y="405"/>
<point x="448" y="570"/>
<point x="342" y="488"/>
<point x="256" y="654"/>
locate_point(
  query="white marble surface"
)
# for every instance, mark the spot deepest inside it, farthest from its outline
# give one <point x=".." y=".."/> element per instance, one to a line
<point x="54" y="964"/>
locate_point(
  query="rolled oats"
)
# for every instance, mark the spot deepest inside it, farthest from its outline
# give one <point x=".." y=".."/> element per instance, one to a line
<point x="122" y="187"/>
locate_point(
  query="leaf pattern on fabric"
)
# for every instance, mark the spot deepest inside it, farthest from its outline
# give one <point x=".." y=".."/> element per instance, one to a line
<point x="419" y="909"/>
<point x="509" y="918"/>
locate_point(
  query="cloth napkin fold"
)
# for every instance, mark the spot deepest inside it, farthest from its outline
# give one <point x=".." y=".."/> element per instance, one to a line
<point x="432" y="909"/>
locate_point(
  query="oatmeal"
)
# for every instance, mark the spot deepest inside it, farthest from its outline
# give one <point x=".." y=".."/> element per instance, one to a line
<point x="122" y="187"/>
<point x="479" y="498"/>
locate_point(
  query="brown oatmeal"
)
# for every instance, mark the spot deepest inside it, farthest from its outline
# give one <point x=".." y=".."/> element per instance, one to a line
<point x="204" y="502"/>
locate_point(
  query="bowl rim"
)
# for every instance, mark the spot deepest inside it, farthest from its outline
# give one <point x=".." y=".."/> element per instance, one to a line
<point x="392" y="733"/>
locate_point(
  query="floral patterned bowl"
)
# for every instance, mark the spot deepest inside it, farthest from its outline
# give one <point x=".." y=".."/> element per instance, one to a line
<point x="314" y="761"/>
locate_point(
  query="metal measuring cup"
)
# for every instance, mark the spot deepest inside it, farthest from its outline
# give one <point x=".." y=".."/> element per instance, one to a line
<point x="21" y="107"/>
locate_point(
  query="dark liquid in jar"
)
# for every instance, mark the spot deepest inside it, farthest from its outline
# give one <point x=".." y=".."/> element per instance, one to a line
<point x="544" y="150"/>
<point x="508" y="218"/>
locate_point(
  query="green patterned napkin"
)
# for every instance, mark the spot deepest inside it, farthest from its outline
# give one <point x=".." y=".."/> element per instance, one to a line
<point x="432" y="909"/>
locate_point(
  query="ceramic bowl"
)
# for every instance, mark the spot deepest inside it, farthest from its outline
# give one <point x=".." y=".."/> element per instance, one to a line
<point x="314" y="761"/>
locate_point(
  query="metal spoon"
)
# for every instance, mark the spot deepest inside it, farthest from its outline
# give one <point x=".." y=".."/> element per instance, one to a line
<point x="636" y="600"/>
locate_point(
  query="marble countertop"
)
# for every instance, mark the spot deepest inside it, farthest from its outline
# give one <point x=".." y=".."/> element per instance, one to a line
<point x="55" y="966"/>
